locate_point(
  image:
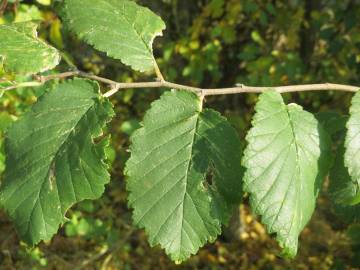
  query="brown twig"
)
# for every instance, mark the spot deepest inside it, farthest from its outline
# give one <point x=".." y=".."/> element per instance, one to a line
<point x="116" y="86"/>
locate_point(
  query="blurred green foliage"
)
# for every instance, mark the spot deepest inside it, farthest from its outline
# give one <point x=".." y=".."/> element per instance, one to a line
<point x="208" y="43"/>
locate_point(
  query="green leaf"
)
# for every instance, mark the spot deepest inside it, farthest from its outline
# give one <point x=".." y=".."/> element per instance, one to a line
<point x="347" y="213"/>
<point x="333" y="122"/>
<point x="52" y="161"/>
<point x="44" y="2"/>
<point x="21" y="51"/>
<point x="6" y="120"/>
<point x="352" y="147"/>
<point x="26" y="13"/>
<point x="285" y="163"/>
<point x="343" y="191"/>
<point x="173" y="155"/>
<point x="121" y="28"/>
<point x="341" y="188"/>
<point x="2" y="155"/>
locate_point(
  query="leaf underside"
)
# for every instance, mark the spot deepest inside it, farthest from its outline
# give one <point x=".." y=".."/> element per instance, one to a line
<point x="21" y="51"/>
<point x="121" y="28"/>
<point x="170" y="158"/>
<point x="51" y="159"/>
<point x="285" y="160"/>
<point x="352" y="148"/>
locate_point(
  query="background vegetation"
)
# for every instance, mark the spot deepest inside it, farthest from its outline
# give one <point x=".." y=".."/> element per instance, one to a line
<point x="208" y="43"/>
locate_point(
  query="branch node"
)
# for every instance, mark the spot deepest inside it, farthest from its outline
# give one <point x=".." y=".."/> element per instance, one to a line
<point x="39" y="78"/>
<point x="113" y="90"/>
<point x="202" y="97"/>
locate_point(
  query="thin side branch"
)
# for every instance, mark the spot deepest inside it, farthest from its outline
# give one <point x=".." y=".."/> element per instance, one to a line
<point x="116" y="86"/>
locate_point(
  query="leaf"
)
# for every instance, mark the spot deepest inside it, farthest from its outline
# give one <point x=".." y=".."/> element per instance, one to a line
<point x="2" y="157"/>
<point x="52" y="161"/>
<point x="352" y="147"/>
<point x="343" y="191"/>
<point x="26" y="13"/>
<point x="6" y="120"/>
<point x="285" y="162"/>
<point x="347" y="213"/>
<point x="341" y="188"/>
<point x="333" y="122"/>
<point x="121" y="28"/>
<point x="178" y="147"/>
<point x="22" y="51"/>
